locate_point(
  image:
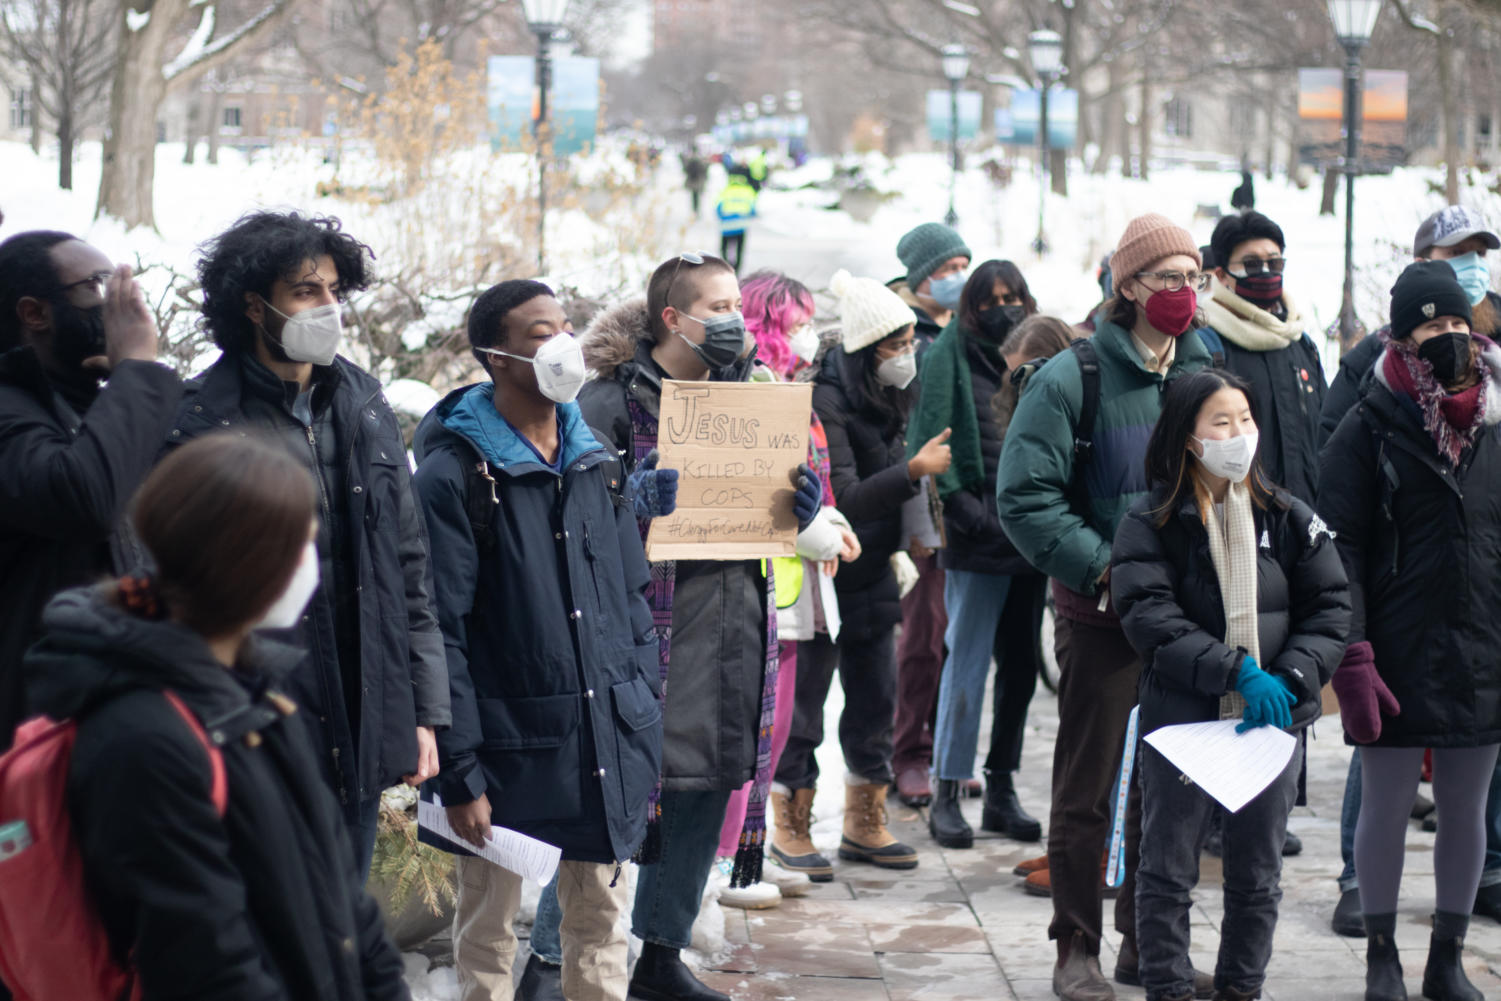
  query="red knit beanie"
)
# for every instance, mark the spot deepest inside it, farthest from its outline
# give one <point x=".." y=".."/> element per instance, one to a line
<point x="1149" y="238"/>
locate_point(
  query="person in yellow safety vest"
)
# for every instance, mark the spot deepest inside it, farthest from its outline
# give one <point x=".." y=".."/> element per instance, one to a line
<point x="737" y="203"/>
<point x="757" y="169"/>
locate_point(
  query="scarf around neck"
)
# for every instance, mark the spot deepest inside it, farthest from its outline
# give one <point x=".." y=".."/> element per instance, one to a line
<point x="1247" y="325"/>
<point x="1232" y="548"/>
<point x="1453" y="420"/>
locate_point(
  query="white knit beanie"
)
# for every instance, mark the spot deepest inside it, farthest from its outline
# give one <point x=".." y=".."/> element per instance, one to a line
<point x="868" y="311"/>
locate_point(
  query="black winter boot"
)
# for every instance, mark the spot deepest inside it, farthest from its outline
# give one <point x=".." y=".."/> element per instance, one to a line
<point x="661" y="976"/>
<point x="1444" y="977"/>
<point x="540" y="981"/>
<point x="1004" y="813"/>
<point x="945" y="822"/>
<point x="1383" y="969"/>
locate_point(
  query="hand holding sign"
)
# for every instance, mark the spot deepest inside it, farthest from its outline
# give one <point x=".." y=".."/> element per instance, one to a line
<point x="809" y="496"/>
<point x="933" y="458"/>
<point x="654" y="491"/>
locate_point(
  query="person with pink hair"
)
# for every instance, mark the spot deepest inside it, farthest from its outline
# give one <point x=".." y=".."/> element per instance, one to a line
<point x="779" y="312"/>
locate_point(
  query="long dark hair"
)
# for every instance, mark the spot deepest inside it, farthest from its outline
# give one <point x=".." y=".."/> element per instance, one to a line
<point x="1168" y="465"/>
<point x="1036" y="337"/>
<point x="977" y="294"/>
<point x="887" y="404"/>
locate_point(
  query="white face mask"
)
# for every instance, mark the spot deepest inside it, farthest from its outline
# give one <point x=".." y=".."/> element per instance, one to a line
<point x="804" y="342"/>
<point x="559" y="365"/>
<point x="1229" y="457"/>
<point x="287" y="608"/>
<point x="898" y="370"/>
<point x="311" y="335"/>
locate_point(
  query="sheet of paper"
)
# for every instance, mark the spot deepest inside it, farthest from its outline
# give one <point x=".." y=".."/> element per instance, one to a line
<point x="527" y="857"/>
<point x="1232" y="767"/>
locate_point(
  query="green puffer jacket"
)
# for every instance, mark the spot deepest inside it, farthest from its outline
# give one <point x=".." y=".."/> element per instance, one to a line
<point x="1037" y="463"/>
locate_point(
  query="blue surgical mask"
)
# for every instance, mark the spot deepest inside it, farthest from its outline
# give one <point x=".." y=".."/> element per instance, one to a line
<point x="1473" y="274"/>
<point x="945" y="291"/>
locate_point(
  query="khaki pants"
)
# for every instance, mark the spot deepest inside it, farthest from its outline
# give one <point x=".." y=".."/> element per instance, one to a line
<point x="484" y="934"/>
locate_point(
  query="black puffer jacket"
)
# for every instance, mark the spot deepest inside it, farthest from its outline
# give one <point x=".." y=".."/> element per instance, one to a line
<point x="1424" y="578"/>
<point x="868" y="469"/>
<point x="972" y="526"/>
<point x="1164" y="583"/>
<point x="66" y="481"/>
<point x="261" y="905"/>
<point x="377" y="669"/>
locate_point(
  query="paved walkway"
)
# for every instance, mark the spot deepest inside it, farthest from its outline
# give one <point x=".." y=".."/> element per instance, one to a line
<point x="960" y="928"/>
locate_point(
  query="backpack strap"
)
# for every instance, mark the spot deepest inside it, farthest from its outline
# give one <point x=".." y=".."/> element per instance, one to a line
<point x="1089" y="409"/>
<point x="1211" y="340"/>
<point x="219" y="783"/>
<point x="480" y="500"/>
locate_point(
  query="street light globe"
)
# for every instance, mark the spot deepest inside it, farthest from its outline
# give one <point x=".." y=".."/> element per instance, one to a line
<point x="1354" y="20"/>
<point x="955" y="62"/>
<point x="1046" y="49"/>
<point x="544" y="13"/>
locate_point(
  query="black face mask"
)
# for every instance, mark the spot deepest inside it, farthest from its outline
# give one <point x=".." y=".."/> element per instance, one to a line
<point x="1264" y="290"/>
<point x="724" y="340"/>
<point x="1448" y="353"/>
<point x="77" y="334"/>
<point x="997" y="321"/>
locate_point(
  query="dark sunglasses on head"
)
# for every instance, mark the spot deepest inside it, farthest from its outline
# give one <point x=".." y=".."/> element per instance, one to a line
<point x="1255" y="266"/>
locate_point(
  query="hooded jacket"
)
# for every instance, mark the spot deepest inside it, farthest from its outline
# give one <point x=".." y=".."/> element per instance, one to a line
<point x="1165" y="586"/>
<point x="377" y="656"/>
<point x="1282" y="365"/>
<point x="552" y="657"/>
<point x="719" y="616"/>
<point x="1421" y="542"/>
<point x="68" y="478"/>
<point x="261" y="905"/>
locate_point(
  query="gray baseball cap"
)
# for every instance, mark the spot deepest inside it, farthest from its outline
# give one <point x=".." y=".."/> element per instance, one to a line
<point x="1450" y="225"/>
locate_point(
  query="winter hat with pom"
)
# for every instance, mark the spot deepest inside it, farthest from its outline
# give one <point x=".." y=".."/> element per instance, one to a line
<point x="926" y="247"/>
<point x="868" y="311"/>
<point x="1149" y="238"/>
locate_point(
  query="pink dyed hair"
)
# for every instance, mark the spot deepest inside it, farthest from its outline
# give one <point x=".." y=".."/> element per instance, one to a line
<point x="773" y="304"/>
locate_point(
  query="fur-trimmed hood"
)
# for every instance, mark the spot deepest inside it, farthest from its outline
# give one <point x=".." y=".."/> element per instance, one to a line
<point x="614" y="336"/>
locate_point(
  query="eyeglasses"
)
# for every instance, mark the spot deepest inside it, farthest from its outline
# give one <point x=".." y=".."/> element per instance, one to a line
<point x="97" y="279"/>
<point x="691" y="258"/>
<point x="1172" y="281"/>
<point x="1255" y="266"/>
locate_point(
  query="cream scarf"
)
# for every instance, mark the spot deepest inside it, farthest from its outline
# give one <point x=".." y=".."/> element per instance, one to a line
<point x="1232" y="547"/>
<point x="1247" y="325"/>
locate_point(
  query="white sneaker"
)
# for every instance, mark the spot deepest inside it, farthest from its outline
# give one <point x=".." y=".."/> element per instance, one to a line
<point x="756" y="897"/>
<point x="787" y="882"/>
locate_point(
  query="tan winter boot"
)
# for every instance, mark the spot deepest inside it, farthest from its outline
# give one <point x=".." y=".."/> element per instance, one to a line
<point x="865" y="836"/>
<point x="792" y="845"/>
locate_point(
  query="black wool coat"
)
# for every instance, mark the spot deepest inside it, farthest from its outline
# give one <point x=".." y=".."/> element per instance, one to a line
<point x="1163" y="582"/>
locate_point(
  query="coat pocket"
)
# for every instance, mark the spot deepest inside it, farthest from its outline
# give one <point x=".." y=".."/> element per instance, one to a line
<point x="638" y="742"/>
<point x="531" y="755"/>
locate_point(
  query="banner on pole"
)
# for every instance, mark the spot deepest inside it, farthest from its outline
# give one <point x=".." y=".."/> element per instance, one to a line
<point x="939" y="113"/>
<point x="1383" y="119"/>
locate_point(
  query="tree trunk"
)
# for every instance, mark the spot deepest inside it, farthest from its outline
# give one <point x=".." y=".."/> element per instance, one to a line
<point x="1493" y="143"/>
<point x="215" y="109"/>
<point x="129" y="169"/>
<point x="1058" y="170"/>
<point x="1271" y="133"/>
<point x="1331" y="185"/>
<point x="36" y="115"/>
<point x="1144" y="123"/>
<point x="65" y="149"/>
<point x="190" y="145"/>
<point x="1450" y="102"/>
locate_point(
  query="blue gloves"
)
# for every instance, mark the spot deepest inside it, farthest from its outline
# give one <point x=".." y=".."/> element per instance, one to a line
<point x="654" y="491"/>
<point x="809" y="496"/>
<point x="1268" y="700"/>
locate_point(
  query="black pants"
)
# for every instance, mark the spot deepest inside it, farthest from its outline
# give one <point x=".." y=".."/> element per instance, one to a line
<point x="1016" y="649"/>
<point x="1097" y="676"/>
<point x="732" y="248"/>
<point x="867" y="672"/>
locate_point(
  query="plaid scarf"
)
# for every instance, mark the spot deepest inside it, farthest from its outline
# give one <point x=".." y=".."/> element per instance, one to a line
<point x="1453" y="419"/>
<point x="1232" y="547"/>
<point x="748" y="854"/>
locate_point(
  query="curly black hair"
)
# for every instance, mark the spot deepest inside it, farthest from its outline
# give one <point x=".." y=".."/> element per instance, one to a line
<point x="26" y="269"/>
<point x="261" y="248"/>
<point x="487" y="317"/>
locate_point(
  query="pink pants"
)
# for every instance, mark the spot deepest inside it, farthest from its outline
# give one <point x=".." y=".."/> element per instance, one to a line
<point x="781" y="726"/>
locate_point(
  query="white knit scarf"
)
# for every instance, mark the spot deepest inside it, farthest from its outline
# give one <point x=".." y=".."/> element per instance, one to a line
<point x="1232" y="547"/>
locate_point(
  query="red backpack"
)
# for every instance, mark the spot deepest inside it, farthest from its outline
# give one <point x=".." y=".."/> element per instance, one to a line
<point x="52" y="943"/>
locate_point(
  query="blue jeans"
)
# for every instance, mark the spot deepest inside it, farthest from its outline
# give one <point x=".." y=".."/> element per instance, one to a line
<point x="1350" y="812"/>
<point x="974" y="602"/>
<point x="669" y="892"/>
<point x="1173" y="827"/>
<point x="363" y="820"/>
<point x="547" y="939"/>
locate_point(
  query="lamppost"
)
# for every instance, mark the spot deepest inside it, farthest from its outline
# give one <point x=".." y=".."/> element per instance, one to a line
<point x="545" y="19"/>
<point x="955" y="68"/>
<point x="1354" y="20"/>
<point x="1046" y="49"/>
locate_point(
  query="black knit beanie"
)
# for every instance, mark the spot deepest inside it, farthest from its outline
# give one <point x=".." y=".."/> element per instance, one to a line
<point x="1425" y="290"/>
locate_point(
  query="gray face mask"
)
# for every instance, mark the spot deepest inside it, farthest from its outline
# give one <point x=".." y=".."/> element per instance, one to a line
<point x="724" y="340"/>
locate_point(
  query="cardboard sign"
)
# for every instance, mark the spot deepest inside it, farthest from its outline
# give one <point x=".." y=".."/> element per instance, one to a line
<point x="736" y="447"/>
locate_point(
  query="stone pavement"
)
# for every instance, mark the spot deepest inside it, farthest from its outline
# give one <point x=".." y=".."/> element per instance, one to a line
<point x="960" y="928"/>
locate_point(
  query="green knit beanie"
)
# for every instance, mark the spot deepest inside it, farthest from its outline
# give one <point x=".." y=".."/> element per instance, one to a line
<point x="925" y="248"/>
